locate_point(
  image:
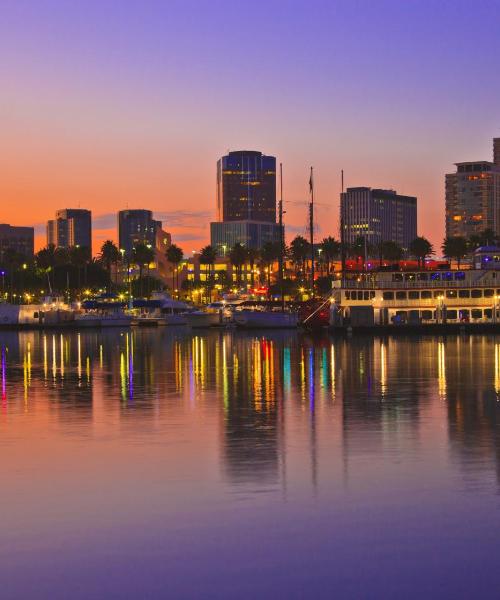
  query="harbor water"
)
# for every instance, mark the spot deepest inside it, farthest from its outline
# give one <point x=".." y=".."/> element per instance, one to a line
<point x="172" y="463"/>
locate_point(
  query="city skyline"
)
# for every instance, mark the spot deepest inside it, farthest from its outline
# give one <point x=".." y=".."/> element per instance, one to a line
<point x="108" y="125"/>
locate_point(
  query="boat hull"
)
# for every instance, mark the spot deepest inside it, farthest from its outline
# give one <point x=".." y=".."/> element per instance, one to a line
<point x="122" y="321"/>
<point x="172" y="320"/>
<point x="254" y="319"/>
<point x="196" y="320"/>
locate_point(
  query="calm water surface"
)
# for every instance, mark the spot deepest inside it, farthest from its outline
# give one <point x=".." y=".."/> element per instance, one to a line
<point x="165" y="463"/>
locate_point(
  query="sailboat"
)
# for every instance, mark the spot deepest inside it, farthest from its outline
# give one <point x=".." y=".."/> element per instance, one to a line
<point x="270" y="319"/>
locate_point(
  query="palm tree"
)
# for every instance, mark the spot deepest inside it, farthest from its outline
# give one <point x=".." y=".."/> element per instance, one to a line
<point x="62" y="264"/>
<point x="175" y="256"/>
<point x="359" y="249"/>
<point x="484" y="238"/>
<point x="270" y="253"/>
<point x="455" y="247"/>
<point x="330" y="249"/>
<point x="421" y="248"/>
<point x="299" y="252"/>
<point x="238" y="256"/>
<point x="45" y="260"/>
<point x="109" y="256"/>
<point x="79" y="257"/>
<point x="142" y="255"/>
<point x="12" y="261"/>
<point x="208" y="256"/>
<point x="390" y="251"/>
<point x="252" y="255"/>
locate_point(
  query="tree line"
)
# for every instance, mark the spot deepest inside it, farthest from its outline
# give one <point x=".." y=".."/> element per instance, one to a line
<point x="56" y="269"/>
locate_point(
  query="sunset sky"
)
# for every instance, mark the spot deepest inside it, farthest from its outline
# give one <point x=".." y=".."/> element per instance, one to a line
<point x="114" y="104"/>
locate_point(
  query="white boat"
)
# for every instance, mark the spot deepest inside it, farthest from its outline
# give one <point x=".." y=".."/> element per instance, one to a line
<point x="265" y="319"/>
<point x="201" y="318"/>
<point x="9" y="314"/>
<point x="172" y="318"/>
<point x="53" y="311"/>
<point x="145" y="320"/>
<point x="95" y="319"/>
<point x="161" y="309"/>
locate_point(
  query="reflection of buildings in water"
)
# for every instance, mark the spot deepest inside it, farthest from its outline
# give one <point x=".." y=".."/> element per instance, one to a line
<point x="252" y="403"/>
<point x="441" y="369"/>
<point x="473" y="365"/>
<point x="273" y="369"/>
<point x="380" y="397"/>
<point x="41" y="375"/>
<point x="259" y="383"/>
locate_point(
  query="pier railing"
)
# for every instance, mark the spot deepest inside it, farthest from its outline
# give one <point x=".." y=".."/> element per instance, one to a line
<point x="408" y="285"/>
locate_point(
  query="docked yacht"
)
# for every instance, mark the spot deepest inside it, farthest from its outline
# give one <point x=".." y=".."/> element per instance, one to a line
<point x="102" y="319"/>
<point x="204" y="318"/>
<point x="102" y="313"/>
<point x="161" y="309"/>
<point x="51" y="312"/>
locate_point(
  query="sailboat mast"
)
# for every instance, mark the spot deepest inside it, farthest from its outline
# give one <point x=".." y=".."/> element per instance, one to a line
<point x="282" y="240"/>
<point x="311" y="228"/>
<point x="342" y="240"/>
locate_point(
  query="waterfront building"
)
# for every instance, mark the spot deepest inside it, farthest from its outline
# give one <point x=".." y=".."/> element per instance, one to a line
<point x="222" y="272"/>
<point x="378" y="216"/>
<point x="473" y="196"/>
<point x="246" y="201"/>
<point x="71" y="227"/>
<point x="19" y="239"/>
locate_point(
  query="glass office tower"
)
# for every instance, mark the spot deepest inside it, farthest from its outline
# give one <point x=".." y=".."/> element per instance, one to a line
<point x="246" y="187"/>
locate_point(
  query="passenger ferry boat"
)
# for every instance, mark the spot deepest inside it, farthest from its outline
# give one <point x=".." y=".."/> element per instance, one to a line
<point x="420" y="297"/>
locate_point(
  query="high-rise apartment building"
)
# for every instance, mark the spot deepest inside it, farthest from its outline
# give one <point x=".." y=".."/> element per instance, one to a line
<point x="378" y="215"/>
<point x="137" y="227"/>
<point x="246" y="201"/>
<point x="19" y="239"/>
<point x="71" y="227"/>
<point x="473" y="196"/>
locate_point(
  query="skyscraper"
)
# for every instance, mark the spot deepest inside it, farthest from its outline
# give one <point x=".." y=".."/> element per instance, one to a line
<point x="246" y="201"/>
<point x="246" y="187"/>
<point x="378" y="216"/>
<point x="137" y="226"/>
<point x="71" y="227"/>
<point x="473" y="196"/>
<point x="20" y="239"/>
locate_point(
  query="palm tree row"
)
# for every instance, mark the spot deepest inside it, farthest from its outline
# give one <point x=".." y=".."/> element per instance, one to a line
<point x="60" y="268"/>
<point x="458" y="247"/>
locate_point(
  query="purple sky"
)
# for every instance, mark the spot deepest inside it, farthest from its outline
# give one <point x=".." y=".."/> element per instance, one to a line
<point x="109" y="104"/>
